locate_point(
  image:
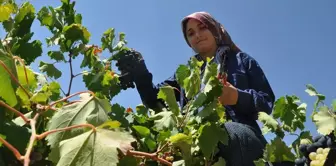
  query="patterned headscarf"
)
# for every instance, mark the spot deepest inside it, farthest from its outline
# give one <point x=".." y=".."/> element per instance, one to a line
<point x="221" y="35"/>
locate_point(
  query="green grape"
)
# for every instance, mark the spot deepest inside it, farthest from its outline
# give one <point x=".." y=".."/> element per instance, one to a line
<point x="319" y="151"/>
<point x="319" y="157"/>
<point x="312" y="155"/>
<point x="326" y="151"/>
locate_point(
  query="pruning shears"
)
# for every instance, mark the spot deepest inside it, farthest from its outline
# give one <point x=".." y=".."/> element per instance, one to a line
<point x="222" y="75"/>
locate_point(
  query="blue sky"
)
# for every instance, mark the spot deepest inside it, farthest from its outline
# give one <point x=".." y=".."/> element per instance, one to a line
<point x="294" y="41"/>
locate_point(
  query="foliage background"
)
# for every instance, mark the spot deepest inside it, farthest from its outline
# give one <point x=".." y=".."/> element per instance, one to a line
<point x="292" y="40"/>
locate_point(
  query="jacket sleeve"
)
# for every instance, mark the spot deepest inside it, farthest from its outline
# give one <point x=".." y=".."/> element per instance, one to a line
<point x="148" y="91"/>
<point x="259" y="97"/>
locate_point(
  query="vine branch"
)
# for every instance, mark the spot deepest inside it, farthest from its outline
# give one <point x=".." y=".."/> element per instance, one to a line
<point x="13" y="149"/>
<point x="41" y="136"/>
<point x="15" y="111"/>
<point x="152" y="156"/>
<point x="13" y="77"/>
<point x="24" y="67"/>
<point x="31" y="141"/>
<point x="65" y="98"/>
<point x="71" y="75"/>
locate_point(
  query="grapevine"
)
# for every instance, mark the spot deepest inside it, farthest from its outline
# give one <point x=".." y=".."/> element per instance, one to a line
<point x="45" y="123"/>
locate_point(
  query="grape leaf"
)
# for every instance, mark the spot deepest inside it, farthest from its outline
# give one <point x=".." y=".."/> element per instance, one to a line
<point x="90" y="58"/>
<point x="208" y="109"/>
<point x="107" y="39"/>
<point x="164" y="120"/>
<point x="278" y="151"/>
<point x="76" y="32"/>
<point x="26" y="8"/>
<point x="32" y="81"/>
<point x="290" y="113"/>
<point x="95" y="148"/>
<point x="182" y="72"/>
<point x="334" y="105"/>
<point x="35" y="50"/>
<point x="56" y="55"/>
<point x="142" y="130"/>
<point x="168" y="95"/>
<point x="270" y="124"/>
<point x="46" y="18"/>
<point x="3" y="137"/>
<point x="313" y="92"/>
<point x="210" y="71"/>
<point x="8" y="86"/>
<point x="183" y="142"/>
<point x="16" y="135"/>
<point x="119" y="113"/>
<point x="22" y="25"/>
<point x="5" y="11"/>
<point x="92" y="110"/>
<point x="260" y="162"/>
<point x="209" y="136"/>
<point x="190" y="82"/>
<point x="50" y="69"/>
<point x="121" y="43"/>
<point x="178" y="163"/>
<point x="325" y="120"/>
<point x="78" y="19"/>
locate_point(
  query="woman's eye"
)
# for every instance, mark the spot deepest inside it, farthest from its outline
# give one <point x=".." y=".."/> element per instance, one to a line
<point x="190" y="33"/>
<point x="202" y="27"/>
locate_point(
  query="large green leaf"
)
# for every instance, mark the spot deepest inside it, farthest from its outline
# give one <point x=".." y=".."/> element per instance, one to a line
<point x="210" y="135"/>
<point x="50" y="69"/>
<point x="192" y="84"/>
<point x="49" y="17"/>
<point x="8" y="86"/>
<point x="210" y="71"/>
<point x="23" y="22"/>
<point x="5" y="11"/>
<point x="25" y="73"/>
<point x="183" y="142"/>
<point x="103" y="83"/>
<point x="182" y="73"/>
<point x="91" y="110"/>
<point x="107" y="39"/>
<point x="90" y="58"/>
<point x="56" y="55"/>
<point x="270" y="124"/>
<point x="76" y="32"/>
<point x="168" y="95"/>
<point x="28" y="51"/>
<point x="16" y="135"/>
<point x="278" y="151"/>
<point x="290" y="113"/>
<point x="325" y="120"/>
<point x="95" y="148"/>
<point x="165" y="120"/>
<point x="313" y="92"/>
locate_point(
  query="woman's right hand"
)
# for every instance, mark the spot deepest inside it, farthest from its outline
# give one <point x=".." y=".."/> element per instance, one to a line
<point x="132" y="67"/>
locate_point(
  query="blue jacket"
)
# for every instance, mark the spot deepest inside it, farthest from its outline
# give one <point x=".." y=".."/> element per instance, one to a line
<point x="254" y="91"/>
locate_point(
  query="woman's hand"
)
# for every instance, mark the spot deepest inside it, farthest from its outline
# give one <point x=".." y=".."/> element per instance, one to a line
<point x="229" y="95"/>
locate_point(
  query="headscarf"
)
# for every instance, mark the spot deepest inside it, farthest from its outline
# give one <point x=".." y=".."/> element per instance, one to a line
<point x="217" y="29"/>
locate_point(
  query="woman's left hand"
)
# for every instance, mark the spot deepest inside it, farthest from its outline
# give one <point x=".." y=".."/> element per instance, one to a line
<point x="229" y="95"/>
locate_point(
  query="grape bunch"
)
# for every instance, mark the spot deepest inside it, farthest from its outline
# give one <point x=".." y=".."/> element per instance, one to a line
<point x="316" y="153"/>
<point x="319" y="157"/>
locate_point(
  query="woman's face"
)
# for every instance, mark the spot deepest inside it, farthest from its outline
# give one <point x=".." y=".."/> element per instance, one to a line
<point x="200" y="37"/>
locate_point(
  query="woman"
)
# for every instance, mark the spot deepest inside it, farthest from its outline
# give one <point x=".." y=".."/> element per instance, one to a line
<point x="246" y="93"/>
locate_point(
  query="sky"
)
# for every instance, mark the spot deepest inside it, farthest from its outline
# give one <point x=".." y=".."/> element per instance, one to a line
<point x="293" y="41"/>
